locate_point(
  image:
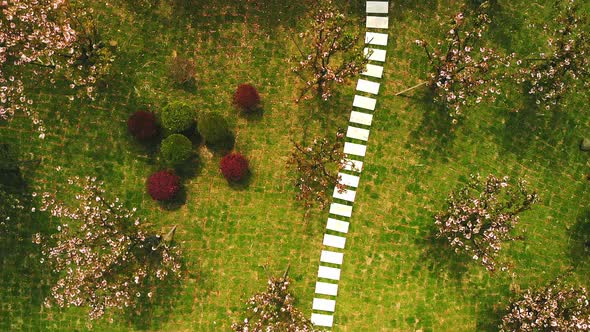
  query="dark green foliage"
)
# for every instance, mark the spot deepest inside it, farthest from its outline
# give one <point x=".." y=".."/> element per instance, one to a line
<point x="214" y="128"/>
<point x="176" y="149"/>
<point x="177" y="117"/>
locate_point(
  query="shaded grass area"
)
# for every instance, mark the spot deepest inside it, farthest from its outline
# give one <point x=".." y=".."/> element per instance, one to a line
<point x="234" y="238"/>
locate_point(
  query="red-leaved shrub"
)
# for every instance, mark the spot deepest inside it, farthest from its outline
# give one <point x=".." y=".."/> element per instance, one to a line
<point x="246" y="97"/>
<point x="234" y="167"/>
<point x="163" y="185"/>
<point x="142" y="125"/>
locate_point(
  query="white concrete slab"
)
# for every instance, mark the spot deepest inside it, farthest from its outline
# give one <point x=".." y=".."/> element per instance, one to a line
<point x="329" y="273"/>
<point x="364" y="102"/>
<point x="326" y="288"/>
<point x="337" y="225"/>
<point x="376" y="54"/>
<point x="331" y="257"/>
<point x="355" y="149"/>
<point x="357" y="133"/>
<point x="358" y="165"/>
<point x="378" y="7"/>
<point x="341" y="209"/>
<point x="360" y="117"/>
<point x="324" y="304"/>
<point x="373" y="71"/>
<point x="375" y="38"/>
<point x="322" y="320"/>
<point x="334" y="241"/>
<point x="377" y="22"/>
<point x="367" y="86"/>
<point x="347" y="195"/>
<point x="349" y="180"/>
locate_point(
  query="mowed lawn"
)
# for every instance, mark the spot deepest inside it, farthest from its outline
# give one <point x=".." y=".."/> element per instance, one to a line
<point x="233" y="238"/>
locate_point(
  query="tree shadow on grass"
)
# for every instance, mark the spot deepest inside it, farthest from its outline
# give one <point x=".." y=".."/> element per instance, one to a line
<point x="580" y="240"/>
<point x="435" y="134"/>
<point x="243" y="184"/>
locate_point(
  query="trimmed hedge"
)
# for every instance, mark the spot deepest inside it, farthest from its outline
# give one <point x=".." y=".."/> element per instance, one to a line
<point x="176" y="149"/>
<point x="246" y="98"/>
<point x="177" y="117"/>
<point x="142" y="125"/>
<point x="234" y="167"/>
<point x="163" y="185"/>
<point x="214" y="128"/>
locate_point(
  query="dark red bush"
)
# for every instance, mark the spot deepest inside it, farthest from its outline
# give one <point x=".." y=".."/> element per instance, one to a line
<point x="234" y="167"/>
<point x="142" y="125"/>
<point x="246" y="97"/>
<point x="163" y="185"/>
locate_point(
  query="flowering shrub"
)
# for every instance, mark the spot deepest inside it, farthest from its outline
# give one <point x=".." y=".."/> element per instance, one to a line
<point x="462" y="71"/>
<point x="274" y="310"/>
<point x="234" y="167"/>
<point x="480" y="216"/>
<point x="555" y="308"/>
<point x="214" y="128"/>
<point x="246" y="97"/>
<point x="176" y="149"/>
<point x="177" y="117"/>
<point x="142" y="125"/>
<point x="102" y="253"/>
<point x="163" y="185"/>
<point x="317" y="168"/>
<point x="182" y="70"/>
<point x="330" y="40"/>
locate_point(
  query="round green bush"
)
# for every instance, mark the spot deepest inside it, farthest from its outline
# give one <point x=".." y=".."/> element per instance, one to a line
<point x="177" y="117"/>
<point x="214" y="128"/>
<point x="176" y="149"/>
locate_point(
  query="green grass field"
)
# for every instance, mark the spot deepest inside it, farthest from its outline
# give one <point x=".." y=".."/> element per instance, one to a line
<point x="233" y="239"/>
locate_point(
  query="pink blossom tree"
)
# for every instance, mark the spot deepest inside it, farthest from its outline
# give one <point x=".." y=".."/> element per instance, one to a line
<point x="46" y="38"/>
<point x="316" y="168"/>
<point x="557" y="307"/>
<point x="335" y="54"/>
<point x="566" y="64"/>
<point x="102" y="254"/>
<point x="274" y="310"/>
<point x="480" y="216"/>
<point x="462" y="70"/>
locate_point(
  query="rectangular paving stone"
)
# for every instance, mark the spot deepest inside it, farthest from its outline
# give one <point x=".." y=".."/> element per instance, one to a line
<point x="341" y="209"/>
<point x="347" y="195"/>
<point x="376" y="54"/>
<point x="367" y="86"/>
<point x="360" y="117"/>
<point x="349" y="180"/>
<point x="322" y="320"/>
<point x="332" y="257"/>
<point x="357" y="133"/>
<point x="329" y="273"/>
<point x="375" y="38"/>
<point x="337" y="225"/>
<point x="326" y="288"/>
<point x="334" y="241"/>
<point x="324" y="304"/>
<point x="377" y="22"/>
<point x="348" y="165"/>
<point x="355" y="149"/>
<point x="373" y="71"/>
<point x="378" y="7"/>
<point x="364" y="102"/>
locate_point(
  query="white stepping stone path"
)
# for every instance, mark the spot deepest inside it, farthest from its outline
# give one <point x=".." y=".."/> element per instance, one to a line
<point x="368" y="86"/>
<point x="375" y="38"/>
<point x="361" y="118"/>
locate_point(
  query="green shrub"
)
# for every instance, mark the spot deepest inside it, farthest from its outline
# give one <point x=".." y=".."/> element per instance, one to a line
<point x="177" y="117"/>
<point x="176" y="149"/>
<point x="214" y="128"/>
